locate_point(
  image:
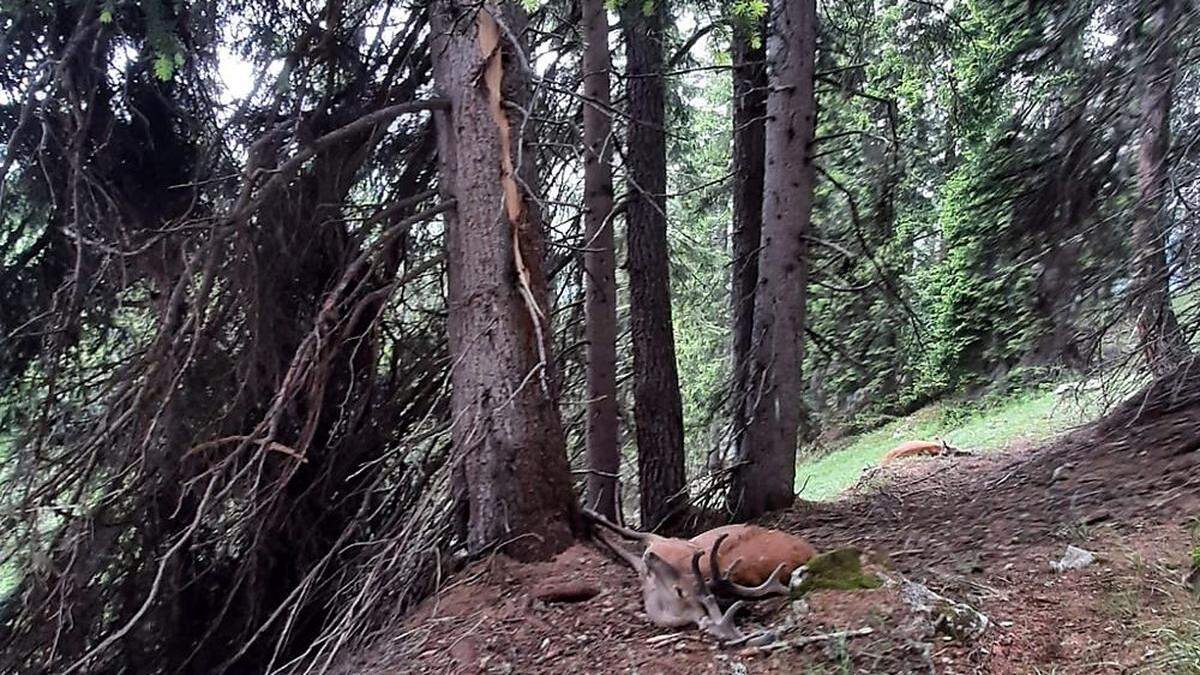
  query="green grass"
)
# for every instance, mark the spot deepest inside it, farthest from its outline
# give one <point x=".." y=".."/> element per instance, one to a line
<point x="1031" y="417"/>
<point x="1181" y="648"/>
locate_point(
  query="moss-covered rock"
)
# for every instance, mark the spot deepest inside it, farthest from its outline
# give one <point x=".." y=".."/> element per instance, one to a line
<point x="839" y="569"/>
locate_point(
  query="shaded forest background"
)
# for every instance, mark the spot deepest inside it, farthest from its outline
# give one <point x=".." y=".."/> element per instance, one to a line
<point x="227" y="424"/>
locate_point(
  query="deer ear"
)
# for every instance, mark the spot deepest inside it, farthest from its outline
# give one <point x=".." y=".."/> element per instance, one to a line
<point x="658" y="567"/>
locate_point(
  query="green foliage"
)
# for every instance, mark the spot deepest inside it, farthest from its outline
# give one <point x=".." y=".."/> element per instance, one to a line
<point x="749" y="10"/>
<point x="944" y="188"/>
<point x="164" y="66"/>
<point x="921" y="277"/>
<point x="749" y="15"/>
<point x="950" y="298"/>
<point x="165" y="48"/>
<point x="976" y="304"/>
<point x="870" y="208"/>
<point x="698" y="220"/>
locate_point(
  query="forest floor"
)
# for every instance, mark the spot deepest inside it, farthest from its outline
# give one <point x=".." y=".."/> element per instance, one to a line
<point x="980" y="529"/>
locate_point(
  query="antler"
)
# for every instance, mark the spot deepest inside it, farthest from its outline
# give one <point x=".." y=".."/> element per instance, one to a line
<point x="720" y="582"/>
<point x="723" y="628"/>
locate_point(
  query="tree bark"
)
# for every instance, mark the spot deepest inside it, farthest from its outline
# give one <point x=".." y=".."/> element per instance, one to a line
<point x="765" y="474"/>
<point x="599" y="260"/>
<point x="1158" y="328"/>
<point x="507" y="432"/>
<point x="1065" y="201"/>
<point x="749" y="148"/>
<point x="657" y="407"/>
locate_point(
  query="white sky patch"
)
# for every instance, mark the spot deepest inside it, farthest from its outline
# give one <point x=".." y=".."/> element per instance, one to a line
<point x="384" y="24"/>
<point x="239" y="76"/>
<point x="542" y="62"/>
<point x="236" y="73"/>
<point x="123" y="54"/>
<point x="686" y="23"/>
<point x="1096" y="36"/>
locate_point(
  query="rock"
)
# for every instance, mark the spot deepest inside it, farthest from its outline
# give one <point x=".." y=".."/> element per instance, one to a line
<point x="565" y="590"/>
<point x="1074" y="558"/>
<point x="957" y="620"/>
<point x="799" y="608"/>
<point x="1060" y="472"/>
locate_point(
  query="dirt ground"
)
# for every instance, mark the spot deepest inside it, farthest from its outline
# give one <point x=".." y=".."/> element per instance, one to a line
<point x="979" y="529"/>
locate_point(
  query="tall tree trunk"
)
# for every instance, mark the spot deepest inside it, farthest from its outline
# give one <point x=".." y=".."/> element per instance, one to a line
<point x="765" y="475"/>
<point x="657" y="407"/>
<point x="749" y="148"/>
<point x="1158" y="329"/>
<point x="507" y="432"/>
<point x="1065" y="201"/>
<point x="600" y="329"/>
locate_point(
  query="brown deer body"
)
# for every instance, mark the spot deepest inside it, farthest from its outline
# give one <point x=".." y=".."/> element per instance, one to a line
<point x="750" y="555"/>
<point x="920" y="449"/>
<point x="682" y="578"/>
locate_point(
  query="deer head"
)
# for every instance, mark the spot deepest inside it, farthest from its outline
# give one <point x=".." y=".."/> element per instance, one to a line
<point x="678" y="591"/>
<point x="674" y="597"/>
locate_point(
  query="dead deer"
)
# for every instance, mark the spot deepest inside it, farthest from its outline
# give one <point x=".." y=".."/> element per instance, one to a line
<point x="682" y="578"/>
<point x="920" y="449"/>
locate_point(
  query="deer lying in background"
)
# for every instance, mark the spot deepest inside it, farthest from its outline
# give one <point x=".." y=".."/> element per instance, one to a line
<point x="682" y="578"/>
<point x="920" y="449"/>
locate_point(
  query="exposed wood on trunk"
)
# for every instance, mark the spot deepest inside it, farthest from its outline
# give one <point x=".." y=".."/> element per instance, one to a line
<point x="657" y="407"/>
<point x="603" y="449"/>
<point x="1158" y="328"/>
<point x="507" y="431"/>
<point x="749" y="148"/>
<point x="764" y="477"/>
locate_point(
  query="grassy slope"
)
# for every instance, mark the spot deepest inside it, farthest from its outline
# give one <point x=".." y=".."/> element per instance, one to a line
<point x="1031" y="416"/>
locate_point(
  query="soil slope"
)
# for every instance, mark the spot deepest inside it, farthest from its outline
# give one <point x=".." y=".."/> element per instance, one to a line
<point x="979" y="529"/>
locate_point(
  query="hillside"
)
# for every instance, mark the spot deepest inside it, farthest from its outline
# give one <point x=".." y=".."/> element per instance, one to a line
<point x="981" y="530"/>
<point x="1032" y="416"/>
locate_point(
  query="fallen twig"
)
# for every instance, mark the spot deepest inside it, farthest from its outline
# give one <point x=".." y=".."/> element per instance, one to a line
<point x="805" y="640"/>
<point x="669" y="637"/>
